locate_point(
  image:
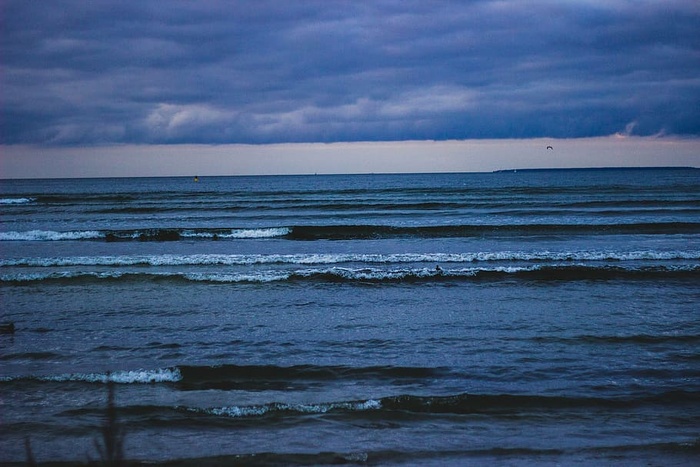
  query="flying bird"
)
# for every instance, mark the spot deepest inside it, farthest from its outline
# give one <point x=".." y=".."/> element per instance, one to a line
<point x="550" y="147"/>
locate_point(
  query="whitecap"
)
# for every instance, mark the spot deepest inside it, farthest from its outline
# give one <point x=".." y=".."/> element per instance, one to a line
<point x="161" y="375"/>
<point x="262" y="277"/>
<point x="320" y="408"/>
<point x="16" y="200"/>
<point x="49" y="235"/>
<point x="328" y="258"/>
<point x="241" y="233"/>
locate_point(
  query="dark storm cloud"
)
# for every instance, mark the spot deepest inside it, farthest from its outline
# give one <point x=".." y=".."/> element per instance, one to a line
<point x="267" y="71"/>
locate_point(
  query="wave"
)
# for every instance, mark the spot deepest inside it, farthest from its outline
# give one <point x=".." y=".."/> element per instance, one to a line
<point x="356" y="232"/>
<point x="277" y="377"/>
<point x="144" y="234"/>
<point x="201" y="377"/>
<point x="300" y="377"/>
<point x="50" y="235"/>
<point x="11" y="201"/>
<point x="186" y="377"/>
<point x="321" y="258"/>
<point x="360" y="232"/>
<point x="460" y="404"/>
<point x="277" y="408"/>
<point x="573" y="272"/>
<point x="162" y="375"/>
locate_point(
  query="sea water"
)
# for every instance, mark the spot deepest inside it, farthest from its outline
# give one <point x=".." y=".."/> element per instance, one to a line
<point x="521" y="318"/>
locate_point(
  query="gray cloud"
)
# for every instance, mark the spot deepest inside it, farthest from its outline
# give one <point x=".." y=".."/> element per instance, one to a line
<point x="129" y="71"/>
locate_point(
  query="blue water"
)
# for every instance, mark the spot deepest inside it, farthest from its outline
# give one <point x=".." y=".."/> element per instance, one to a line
<point x="521" y="318"/>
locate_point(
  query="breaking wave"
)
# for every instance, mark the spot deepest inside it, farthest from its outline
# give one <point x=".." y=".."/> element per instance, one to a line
<point x="276" y="408"/>
<point x="10" y="201"/>
<point x="50" y="235"/>
<point x="355" y="232"/>
<point x="570" y="272"/>
<point x="225" y="377"/>
<point x="144" y="235"/>
<point x="163" y="375"/>
<point x="327" y="258"/>
<point x="208" y="377"/>
<point x="459" y="404"/>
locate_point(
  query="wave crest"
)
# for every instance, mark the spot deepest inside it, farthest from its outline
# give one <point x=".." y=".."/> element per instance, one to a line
<point x="162" y="375"/>
<point x="10" y="201"/>
<point x="311" y="259"/>
<point x="570" y="272"/>
<point x="50" y="235"/>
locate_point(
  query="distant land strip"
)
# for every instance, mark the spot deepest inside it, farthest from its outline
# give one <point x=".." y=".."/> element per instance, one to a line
<point x="573" y="169"/>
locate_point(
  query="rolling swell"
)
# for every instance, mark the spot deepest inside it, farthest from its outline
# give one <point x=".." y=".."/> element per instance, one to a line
<point x="268" y="376"/>
<point x="192" y="376"/>
<point x="280" y="378"/>
<point x="357" y="232"/>
<point x="573" y="272"/>
<point x="161" y="235"/>
<point x="187" y="378"/>
<point x="460" y="404"/>
<point x="340" y="258"/>
<point x="144" y="235"/>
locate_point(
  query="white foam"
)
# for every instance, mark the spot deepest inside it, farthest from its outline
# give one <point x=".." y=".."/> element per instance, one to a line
<point x="261" y="277"/>
<point x="162" y="375"/>
<point x="49" y="235"/>
<point x="260" y="410"/>
<point x="237" y="412"/>
<point x="241" y="233"/>
<point x="320" y="258"/>
<point x="347" y="274"/>
<point x="363" y="274"/>
<point x="31" y="277"/>
<point x="38" y="276"/>
<point x="16" y="200"/>
<point x="75" y="261"/>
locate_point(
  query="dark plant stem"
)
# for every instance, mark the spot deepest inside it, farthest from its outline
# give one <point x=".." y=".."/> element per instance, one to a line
<point x="30" y="455"/>
<point x="111" y="451"/>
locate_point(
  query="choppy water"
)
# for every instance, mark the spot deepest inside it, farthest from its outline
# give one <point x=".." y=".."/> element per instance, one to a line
<point x="544" y="317"/>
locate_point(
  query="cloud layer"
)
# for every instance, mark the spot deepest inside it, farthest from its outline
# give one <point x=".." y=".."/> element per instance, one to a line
<point x="163" y="72"/>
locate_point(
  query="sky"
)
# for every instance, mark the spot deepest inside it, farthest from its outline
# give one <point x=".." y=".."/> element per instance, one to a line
<point x="171" y="87"/>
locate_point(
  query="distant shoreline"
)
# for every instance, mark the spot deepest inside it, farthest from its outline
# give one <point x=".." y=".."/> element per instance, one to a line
<point x="569" y="169"/>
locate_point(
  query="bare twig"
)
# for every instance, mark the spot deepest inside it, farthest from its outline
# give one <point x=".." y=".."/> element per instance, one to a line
<point x="111" y="450"/>
<point x="30" y="455"/>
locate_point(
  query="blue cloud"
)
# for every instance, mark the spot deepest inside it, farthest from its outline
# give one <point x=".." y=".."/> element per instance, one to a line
<point x="263" y="72"/>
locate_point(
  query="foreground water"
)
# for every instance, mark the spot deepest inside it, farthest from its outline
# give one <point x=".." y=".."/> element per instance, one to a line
<point x="544" y="317"/>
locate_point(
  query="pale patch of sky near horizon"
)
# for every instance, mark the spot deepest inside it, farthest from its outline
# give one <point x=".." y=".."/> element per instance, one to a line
<point x="23" y="161"/>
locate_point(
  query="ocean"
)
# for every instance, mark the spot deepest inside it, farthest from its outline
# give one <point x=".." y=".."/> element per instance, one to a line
<point x="540" y="317"/>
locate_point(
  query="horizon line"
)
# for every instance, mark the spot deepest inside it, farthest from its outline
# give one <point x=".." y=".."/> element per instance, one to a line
<point x="340" y="174"/>
<point x="420" y="156"/>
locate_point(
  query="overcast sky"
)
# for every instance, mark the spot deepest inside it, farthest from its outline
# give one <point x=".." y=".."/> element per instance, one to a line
<point x="160" y="74"/>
